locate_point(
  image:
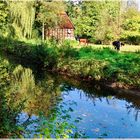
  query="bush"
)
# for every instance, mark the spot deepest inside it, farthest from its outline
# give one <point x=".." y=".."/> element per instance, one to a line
<point x="66" y="50"/>
<point x="83" y="68"/>
<point x="131" y="38"/>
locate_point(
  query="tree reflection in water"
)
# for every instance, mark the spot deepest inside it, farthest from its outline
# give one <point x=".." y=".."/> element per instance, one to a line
<point x="134" y="110"/>
<point x="96" y="92"/>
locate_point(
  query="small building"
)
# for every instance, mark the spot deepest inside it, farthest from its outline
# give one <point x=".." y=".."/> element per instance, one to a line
<point x="63" y="31"/>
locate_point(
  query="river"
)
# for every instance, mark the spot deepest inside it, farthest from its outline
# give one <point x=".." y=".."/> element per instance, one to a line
<point x="101" y="112"/>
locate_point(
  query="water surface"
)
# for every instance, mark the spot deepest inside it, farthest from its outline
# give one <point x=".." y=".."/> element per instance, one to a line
<point x="102" y="112"/>
<point x="104" y="116"/>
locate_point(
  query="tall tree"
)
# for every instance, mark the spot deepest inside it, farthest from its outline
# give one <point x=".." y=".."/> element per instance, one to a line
<point x="49" y="14"/>
<point x="22" y="16"/>
<point x="109" y="26"/>
<point x="3" y="15"/>
<point x="87" y="18"/>
<point x="97" y="20"/>
<point x="131" y="26"/>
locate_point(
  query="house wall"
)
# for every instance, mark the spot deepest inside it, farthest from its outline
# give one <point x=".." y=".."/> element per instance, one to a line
<point x="60" y="33"/>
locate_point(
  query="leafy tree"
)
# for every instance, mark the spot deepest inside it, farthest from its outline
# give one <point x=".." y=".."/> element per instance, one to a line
<point x="109" y="22"/>
<point x="88" y="18"/>
<point x="131" y="26"/>
<point x="96" y="20"/>
<point x="49" y="14"/>
<point x="22" y="17"/>
<point x="3" y="14"/>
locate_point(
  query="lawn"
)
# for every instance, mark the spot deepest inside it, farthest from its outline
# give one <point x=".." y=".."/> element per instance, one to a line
<point x="125" y="48"/>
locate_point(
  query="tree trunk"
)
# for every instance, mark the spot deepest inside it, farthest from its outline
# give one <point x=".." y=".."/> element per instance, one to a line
<point x="119" y="16"/>
<point x="43" y="31"/>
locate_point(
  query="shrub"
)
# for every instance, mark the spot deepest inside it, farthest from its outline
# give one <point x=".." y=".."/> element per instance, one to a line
<point x="131" y="37"/>
<point x="83" y="68"/>
<point x="67" y="51"/>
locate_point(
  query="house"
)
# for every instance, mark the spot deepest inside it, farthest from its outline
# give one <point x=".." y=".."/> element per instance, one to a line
<point x="65" y="30"/>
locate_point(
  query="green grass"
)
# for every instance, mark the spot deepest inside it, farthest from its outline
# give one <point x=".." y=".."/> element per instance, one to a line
<point x="105" y="64"/>
<point x="129" y="62"/>
<point x="125" y="48"/>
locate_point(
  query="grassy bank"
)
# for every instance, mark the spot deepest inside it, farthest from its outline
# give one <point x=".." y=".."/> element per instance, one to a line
<point x="88" y="63"/>
<point x="105" y="65"/>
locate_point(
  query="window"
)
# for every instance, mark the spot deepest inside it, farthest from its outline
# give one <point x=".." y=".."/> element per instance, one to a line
<point x="69" y="31"/>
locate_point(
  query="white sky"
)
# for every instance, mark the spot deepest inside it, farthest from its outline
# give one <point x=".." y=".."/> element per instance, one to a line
<point x="139" y="3"/>
<point x="112" y="0"/>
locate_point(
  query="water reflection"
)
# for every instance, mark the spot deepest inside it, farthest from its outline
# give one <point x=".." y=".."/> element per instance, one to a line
<point x="105" y="117"/>
<point x="104" y="113"/>
<point x="44" y="97"/>
<point x="134" y="110"/>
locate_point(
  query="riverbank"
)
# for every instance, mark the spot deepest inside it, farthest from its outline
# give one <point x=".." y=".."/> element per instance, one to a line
<point x="117" y="69"/>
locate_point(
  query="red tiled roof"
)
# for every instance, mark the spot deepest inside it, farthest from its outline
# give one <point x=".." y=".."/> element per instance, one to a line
<point x="66" y="22"/>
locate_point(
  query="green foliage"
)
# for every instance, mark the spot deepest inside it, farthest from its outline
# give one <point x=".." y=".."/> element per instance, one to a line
<point x="4" y="77"/>
<point x="104" y="64"/>
<point x="48" y="14"/>
<point x="87" y="18"/>
<point x="67" y="51"/>
<point x="12" y="100"/>
<point x="56" y="125"/>
<point x="22" y="17"/>
<point x="97" y="21"/>
<point x="108" y="26"/>
<point x="83" y="68"/>
<point x="3" y="16"/>
<point x="131" y="27"/>
<point x="120" y="67"/>
<point x="105" y="21"/>
<point x="131" y="37"/>
<point x="8" y="111"/>
<point x="87" y="63"/>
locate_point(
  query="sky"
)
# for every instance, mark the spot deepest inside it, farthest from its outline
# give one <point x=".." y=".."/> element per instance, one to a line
<point x="138" y="1"/>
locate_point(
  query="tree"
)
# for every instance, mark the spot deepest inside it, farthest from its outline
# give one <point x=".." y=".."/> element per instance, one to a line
<point x="3" y="14"/>
<point x="131" y="26"/>
<point x="109" y="27"/>
<point x="49" y="14"/>
<point x="96" y="20"/>
<point x="88" y="18"/>
<point x="22" y="15"/>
